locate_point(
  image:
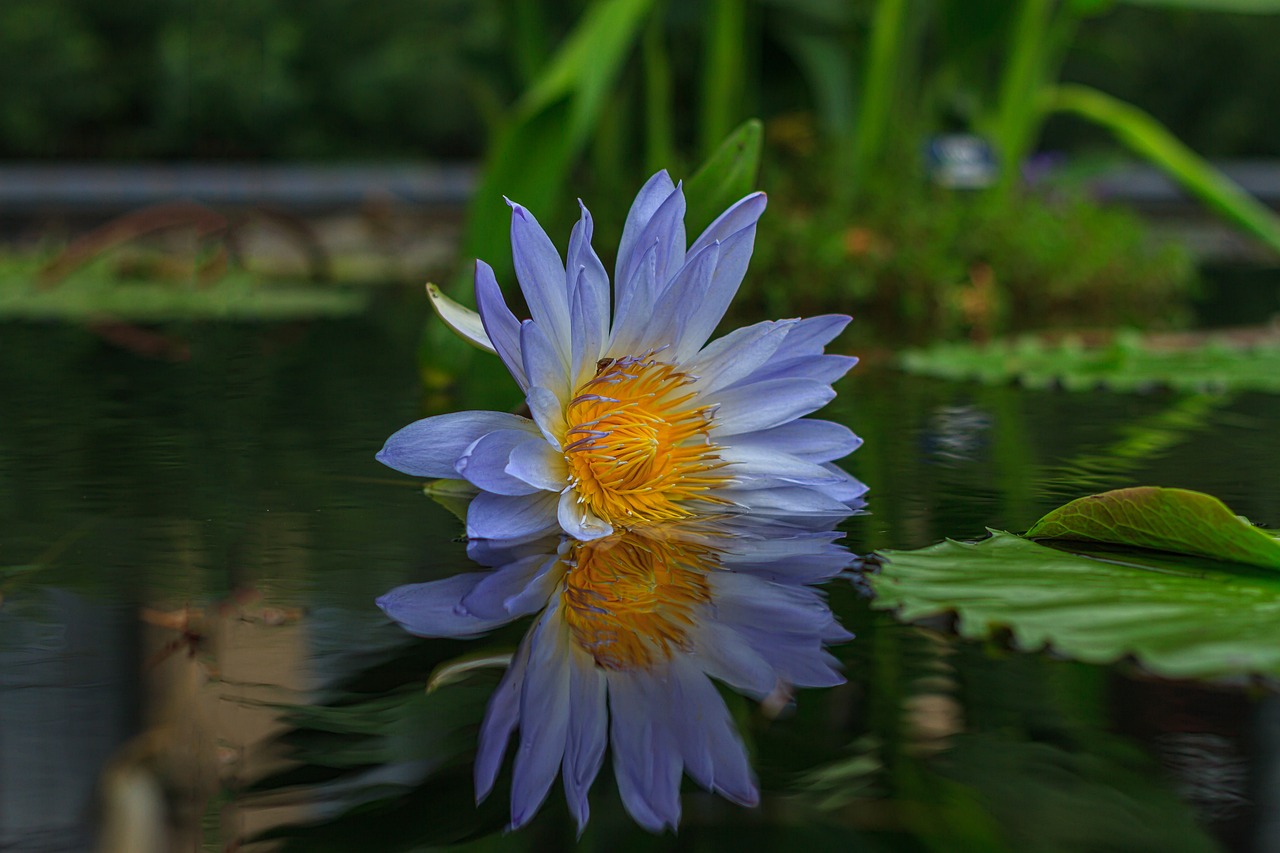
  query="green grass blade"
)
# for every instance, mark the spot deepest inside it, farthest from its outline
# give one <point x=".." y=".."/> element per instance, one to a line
<point x="1147" y="137"/>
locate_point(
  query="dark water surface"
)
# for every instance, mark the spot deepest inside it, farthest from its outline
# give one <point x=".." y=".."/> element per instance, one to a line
<point x="192" y="550"/>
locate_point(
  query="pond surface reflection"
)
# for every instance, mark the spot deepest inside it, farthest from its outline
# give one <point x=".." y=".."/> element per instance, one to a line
<point x="631" y="628"/>
<point x="193" y="552"/>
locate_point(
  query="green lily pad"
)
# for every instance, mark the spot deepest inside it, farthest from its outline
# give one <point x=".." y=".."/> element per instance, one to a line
<point x="1129" y="363"/>
<point x="1176" y="520"/>
<point x="1180" y="617"/>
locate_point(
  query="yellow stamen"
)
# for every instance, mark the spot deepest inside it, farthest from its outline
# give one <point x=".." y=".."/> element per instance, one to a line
<point x="630" y="598"/>
<point x="638" y="446"/>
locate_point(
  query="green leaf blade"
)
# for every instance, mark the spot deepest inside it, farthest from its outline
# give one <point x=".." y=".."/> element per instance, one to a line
<point x="1180" y="618"/>
<point x="1175" y="520"/>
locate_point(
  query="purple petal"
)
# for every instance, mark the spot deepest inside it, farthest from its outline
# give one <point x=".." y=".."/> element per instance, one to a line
<point x="484" y="463"/>
<point x="737" y="354"/>
<point x="741" y="214"/>
<point x="713" y="751"/>
<point x="544" y="717"/>
<point x="493" y="516"/>
<point x="539" y="464"/>
<point x="499" y="721"/>
<point x="500" y="324"/>
<point x="810" y="335"/>
<point x="735" y="255"/>
<point x="680" y="299"/>
<point x="634" y="308"/>
<point x="646" y="761"/>
<point x="488" y="600"/>
<point x="543" y="363"/>
<point x="588" y="734"/>
<point x="541" y="276"/>
<point x="807" y="438"/>
<point x="579" y="521"/>
<point x="432" y="446"/>
<point x="434" y="609"/>
<point x="789" y="501"/>
<point x="821" y="368"/>
<point x="651" y="196"/>
<point x="764" y="405"/>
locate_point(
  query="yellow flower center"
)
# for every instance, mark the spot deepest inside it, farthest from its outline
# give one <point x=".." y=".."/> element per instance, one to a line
<point x="630" y="599"/>
<point x="638" y="445"/>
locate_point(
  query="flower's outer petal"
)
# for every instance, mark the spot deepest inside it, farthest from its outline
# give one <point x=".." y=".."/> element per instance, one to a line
<point x="821" y="368"/>
<point x="634" y="309"/>
<point x="499" y="721"/>
<point x="664" y="235"/>
<point x="539" y="590"/>
<point x="806" y="438"/>
<point x="741" y="214"/>
<point x="433" y="609"/>
<point x="713" y="751"/>
<point x="461" y="319"/>
<point x="588" y="286"/>
<point x="787" y="613"/>
<point x="539" y="464"/>
<point x="811" y="334"/>
<point x="578" y="521"/>
<point x="548" y="413"/>
<point x="431" y="447"/>
<point x="544" y="716"/>
<point x="764" y="405"/>
<point x="735" y="230"/>
<point x="680" y="298"/>
<point x="493" y="516"/>
<point x="588" y="733"/>
<point x="651" y="196"/>
<point x="734" y="256"/>
<point x="500" y="324"/>
<point x="542" y="362"/>
<point x="646" y="761"/>
<point x="484" y="463"/>
<point x="589" y="314"/>
<point x="541" y="275"/>
<point x="736" y="355"/>
<point x="488" y="600"/>
<point x="846" y="488"/>
<point x="724" y="655"/>
<point x="770" y="464"/>
<point x="798" y="659"/>
<point x="788" y="500"/>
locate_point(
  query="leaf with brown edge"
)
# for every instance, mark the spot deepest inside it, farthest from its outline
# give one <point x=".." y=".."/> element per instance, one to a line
<point x="1175" y="520"/>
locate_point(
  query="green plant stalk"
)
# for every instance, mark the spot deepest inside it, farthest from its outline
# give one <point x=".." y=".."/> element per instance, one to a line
<point x="1018" y="113"/>
<point x="550" y="126"/>
<point x="1148" y="138"/>
<point x="723" y="72"/>
<point x="659" y="131"/>
<point x="881" y="79"/>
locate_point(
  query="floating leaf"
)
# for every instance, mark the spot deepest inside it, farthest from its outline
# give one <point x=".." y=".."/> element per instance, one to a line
<point x="1176" y="520"/>
<point x="1130" y="363"/>
<point x="1180" y="617"/>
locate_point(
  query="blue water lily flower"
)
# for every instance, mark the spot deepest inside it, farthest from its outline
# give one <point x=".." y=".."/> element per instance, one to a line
<point x="636" y="417"/>
<point x="631" y="629"/>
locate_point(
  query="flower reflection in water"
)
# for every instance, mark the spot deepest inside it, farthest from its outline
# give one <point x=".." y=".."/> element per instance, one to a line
<point x="632" y="628"/>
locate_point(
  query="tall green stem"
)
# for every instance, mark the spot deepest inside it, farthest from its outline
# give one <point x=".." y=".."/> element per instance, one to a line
<point x="880" y="89"/>
<point x="723" y="72"/>
<point x="659" y="127"/>
<point x="1018" y="112"/>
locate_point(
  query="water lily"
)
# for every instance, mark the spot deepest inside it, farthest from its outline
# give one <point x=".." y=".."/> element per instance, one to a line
<point x="636" y="418"/>
<point x="631" y="628"/>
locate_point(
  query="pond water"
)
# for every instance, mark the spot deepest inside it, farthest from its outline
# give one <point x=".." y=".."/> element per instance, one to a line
<point x="193" y="548"/>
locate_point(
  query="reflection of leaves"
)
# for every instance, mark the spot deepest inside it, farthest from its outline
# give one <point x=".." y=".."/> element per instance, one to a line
<point x="1047" y="797"/>
<point x="1128" y="364"/>
<point x="1185" y="618"/>
<point x="845" y="780"/>
<point x="1176" y="520"/>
